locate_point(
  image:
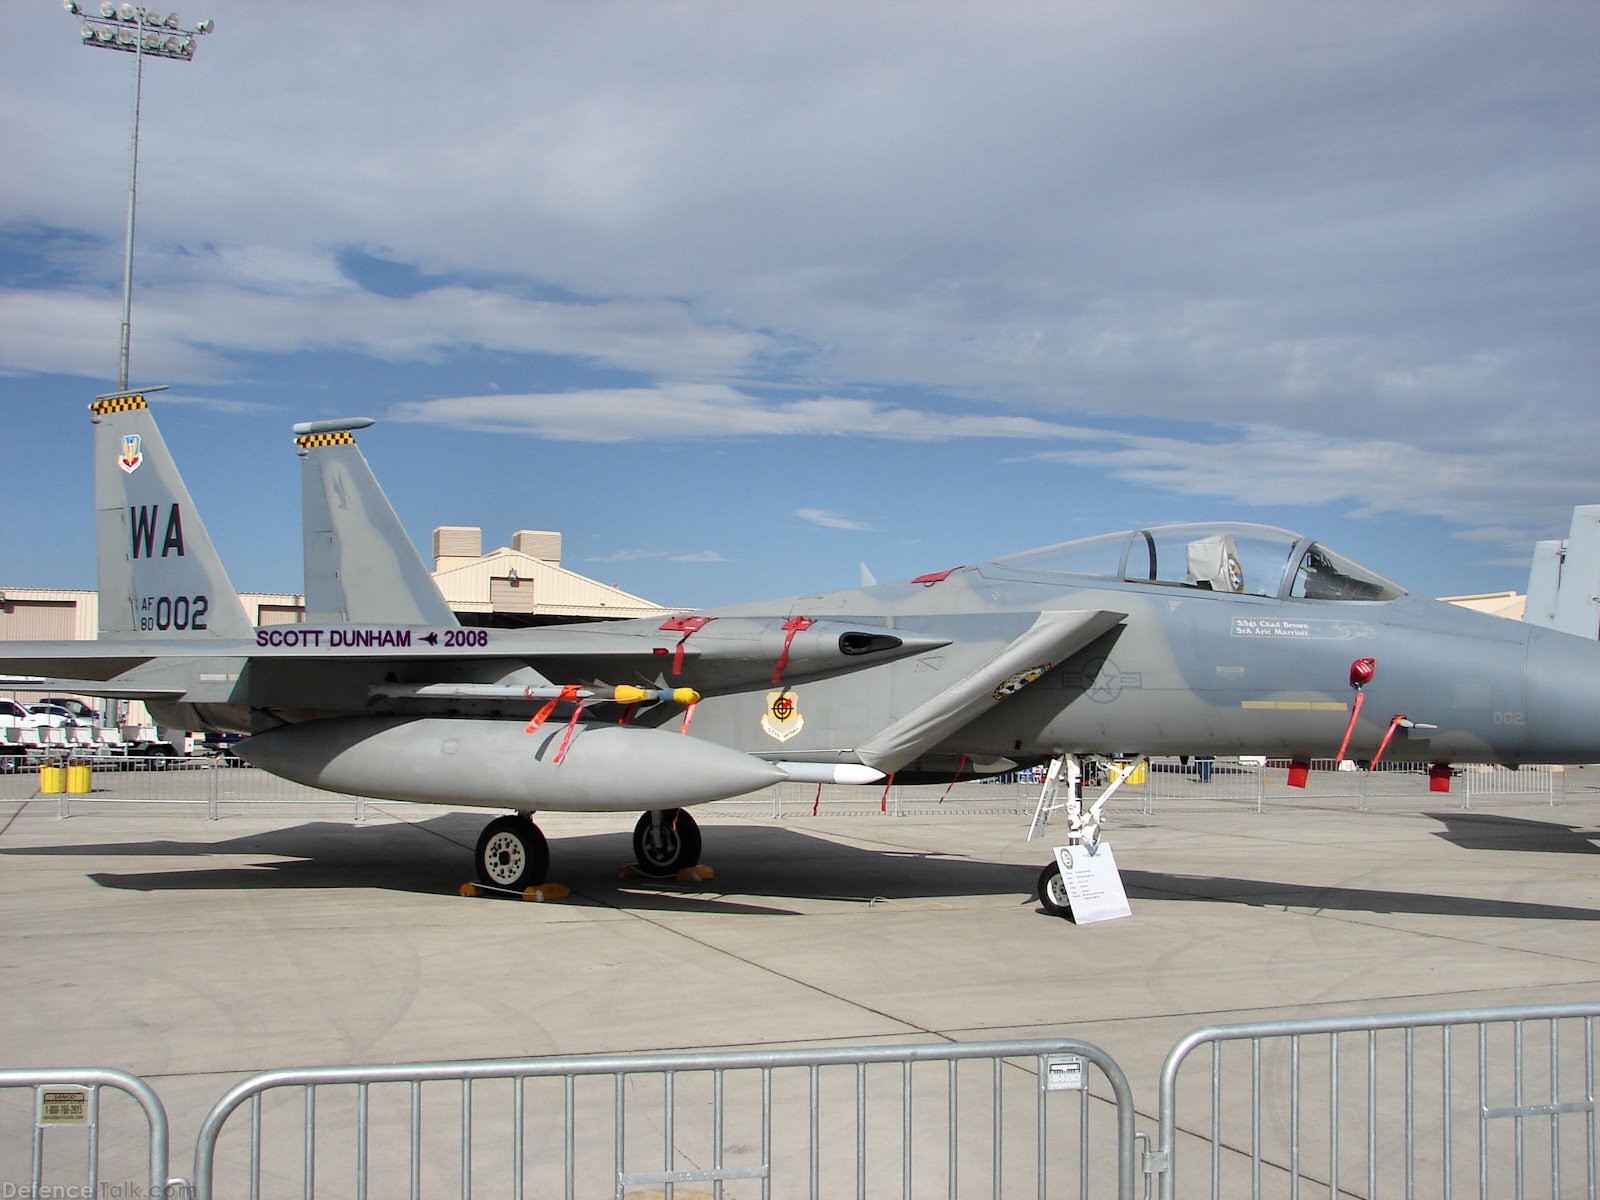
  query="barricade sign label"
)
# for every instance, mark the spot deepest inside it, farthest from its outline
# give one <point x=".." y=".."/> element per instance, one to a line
<point x="1064" y="1073"/>
<point x="1093" y="883"/>
<point x="63" y="1106"/>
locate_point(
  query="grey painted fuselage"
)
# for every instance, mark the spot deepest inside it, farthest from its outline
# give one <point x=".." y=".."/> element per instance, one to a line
<point x="1187" y="640"/>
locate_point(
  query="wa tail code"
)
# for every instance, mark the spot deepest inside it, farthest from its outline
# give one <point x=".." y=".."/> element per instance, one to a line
<point x="145" y="519"/>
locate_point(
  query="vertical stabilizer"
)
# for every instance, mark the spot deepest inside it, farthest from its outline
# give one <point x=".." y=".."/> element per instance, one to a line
<point x="1578" y="597"/>
<point x="1564" y="581"/>
<point x="1544" y="583"/>
<point x="159" y="574"/>
<point x="360" y="565"/>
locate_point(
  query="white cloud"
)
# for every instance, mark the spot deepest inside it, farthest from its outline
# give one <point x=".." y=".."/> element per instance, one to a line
<point x="186" y="330"/>
<point x="701" y="411"/>
<point x="272" y="270"/>
<point x="74" y="332"/>
<point x="1272" y="466"/>
<point x="231" y="408"/>
<point x="828" y="519"/>
<point x="1349" y="245"/>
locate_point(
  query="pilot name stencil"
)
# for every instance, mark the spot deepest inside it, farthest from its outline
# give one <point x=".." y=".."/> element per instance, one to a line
<point x="1280" y="627"/>
<point x="333" y="639"/>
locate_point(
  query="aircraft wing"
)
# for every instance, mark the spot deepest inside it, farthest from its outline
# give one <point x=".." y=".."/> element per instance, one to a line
<point x="113" y="689"/>
<point x="127" y="671"/>
<point x="707" y="654"/>
<point x="55" y="661"/>
<point x="1053" y="638"/>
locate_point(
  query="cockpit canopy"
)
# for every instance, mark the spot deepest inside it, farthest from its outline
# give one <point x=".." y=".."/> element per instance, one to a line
<point x="1252" y="560"/>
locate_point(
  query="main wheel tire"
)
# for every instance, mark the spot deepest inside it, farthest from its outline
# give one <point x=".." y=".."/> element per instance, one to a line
<point x="668" y="847"/>
<point x="512" y="854"/>
<point x="1053" y="892"/>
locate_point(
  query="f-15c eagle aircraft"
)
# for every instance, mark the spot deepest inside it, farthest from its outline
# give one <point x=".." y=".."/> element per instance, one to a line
<point x="1180" y="640"/>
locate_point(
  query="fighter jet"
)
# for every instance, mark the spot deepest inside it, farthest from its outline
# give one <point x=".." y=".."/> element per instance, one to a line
<point x="1190" y="639"/>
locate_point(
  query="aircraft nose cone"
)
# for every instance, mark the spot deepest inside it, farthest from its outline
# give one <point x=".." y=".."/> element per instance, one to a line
<point x="1563" y="717"/>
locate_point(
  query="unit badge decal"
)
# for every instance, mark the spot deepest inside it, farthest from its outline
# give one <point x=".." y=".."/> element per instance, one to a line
<point x="131" y="454"/>
<point x="782" y="719"/>
<point x="1020" y="680"/>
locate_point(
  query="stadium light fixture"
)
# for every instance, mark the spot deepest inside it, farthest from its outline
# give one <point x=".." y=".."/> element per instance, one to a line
<point x="144" y="33"/>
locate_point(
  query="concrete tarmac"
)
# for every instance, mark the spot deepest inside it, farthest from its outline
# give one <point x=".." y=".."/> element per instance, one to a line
<point x="194" y="953"/>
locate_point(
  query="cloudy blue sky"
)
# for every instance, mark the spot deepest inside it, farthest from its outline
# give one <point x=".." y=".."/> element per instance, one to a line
<point x="738" y="296"/>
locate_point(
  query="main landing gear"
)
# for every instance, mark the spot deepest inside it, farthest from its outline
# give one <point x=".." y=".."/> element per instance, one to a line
<point x="666" y="841"/>
<point x="512" y="853"/>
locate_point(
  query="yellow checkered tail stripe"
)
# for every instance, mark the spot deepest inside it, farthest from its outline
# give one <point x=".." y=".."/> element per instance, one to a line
<point x="311" y="441"/>
<point x="117" y="404"/>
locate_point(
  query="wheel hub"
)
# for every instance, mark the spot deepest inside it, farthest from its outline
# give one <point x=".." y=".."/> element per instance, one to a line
<point x="662" y="847"/>
<point x="504" y="858"/>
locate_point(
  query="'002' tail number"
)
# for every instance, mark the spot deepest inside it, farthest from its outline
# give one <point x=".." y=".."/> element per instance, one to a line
<point x="173" y="612"/>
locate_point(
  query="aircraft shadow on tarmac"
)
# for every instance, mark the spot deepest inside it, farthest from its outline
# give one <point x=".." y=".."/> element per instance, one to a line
<point x="757" y="868"/>
<point x="1260" y="893"/>
<point x="763" y="863"/>
<point x="1486" y="831"/>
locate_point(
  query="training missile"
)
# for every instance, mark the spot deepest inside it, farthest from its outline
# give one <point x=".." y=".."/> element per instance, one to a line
<point x="626" y="694"/>
<point x="584" y="767"/>
<point x="622" y="693"/>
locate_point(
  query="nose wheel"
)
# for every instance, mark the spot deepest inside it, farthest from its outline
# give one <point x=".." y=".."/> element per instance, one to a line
<point x="666" y="841"/>
<point x="1053" y="892"/>
<point x="512" y="854"/>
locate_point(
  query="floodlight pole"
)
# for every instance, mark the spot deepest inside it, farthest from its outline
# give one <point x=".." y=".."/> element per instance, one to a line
<point x="133" y="203"/>
<point x="141" y="31"/>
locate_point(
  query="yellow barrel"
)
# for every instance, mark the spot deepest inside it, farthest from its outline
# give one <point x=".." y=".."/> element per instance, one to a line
<point x="52" y="779"/>
<point x="79" y="778"/>
<point x="1137" y="779"/>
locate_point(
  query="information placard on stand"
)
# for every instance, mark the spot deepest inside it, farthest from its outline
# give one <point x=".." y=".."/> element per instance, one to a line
<point x="1093" y="883"/>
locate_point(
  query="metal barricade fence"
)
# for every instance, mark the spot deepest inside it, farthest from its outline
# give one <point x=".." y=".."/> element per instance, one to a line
<point x="1411" y="1104"/>
<point x="1000" y="797"/>
<point x="1166" y="786"/>
<point x="1405" y="785"/>
<point x="1498" y="783"/>
<point x="999" y="1118"/>
<point x="242" y="786"/>
<point x="1485" y="1102"/>
<point x="144" y="779"/>
<point x="1169" y="785"/>
<point x="181" y="782"/>
<point x="66" y="1106"/>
